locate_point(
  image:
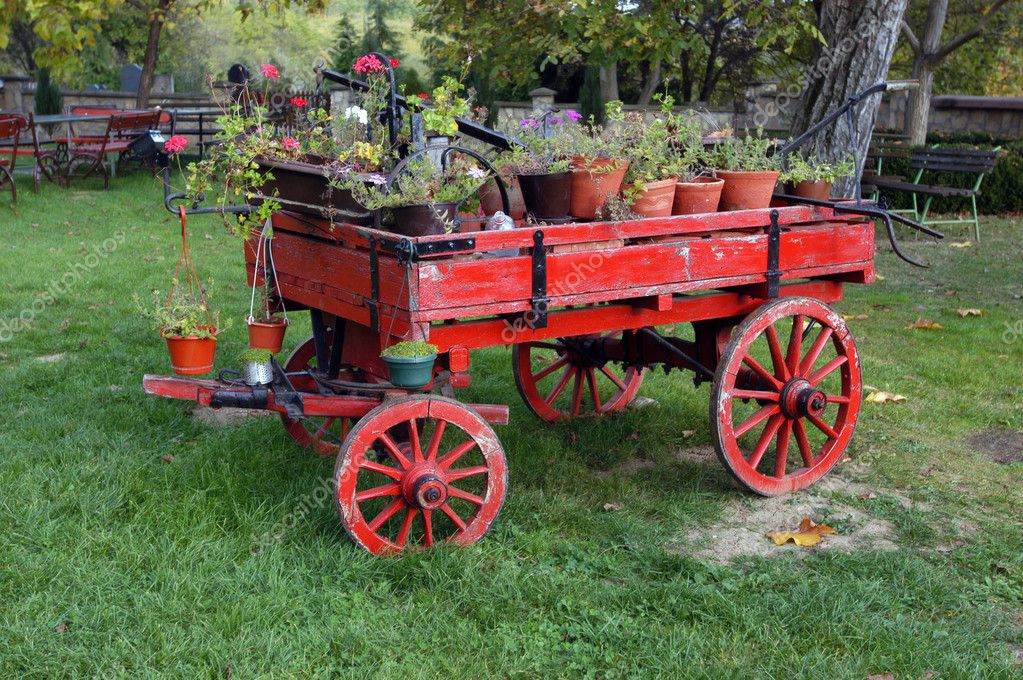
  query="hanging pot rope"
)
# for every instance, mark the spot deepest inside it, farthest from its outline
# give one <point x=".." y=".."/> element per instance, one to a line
<point x="194" y="284"/>
<point x="406" y="281"/>
<point x="264" y="252"/>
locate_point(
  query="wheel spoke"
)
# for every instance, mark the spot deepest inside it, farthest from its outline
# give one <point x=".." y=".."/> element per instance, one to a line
<point x="374" y="466"/>
<point x="838" y="399"/>
<point x="822" y="426"/>
<point x="543" y="373"/>
<point x="428" y="527"/>
<point x="827" y="369"/>
<point x="453" y="516"/>
<point x="757" y="418"/>
<point x="413" y="437"/>
<point x="815" y="351"/>
<point x="547" y="345"/>
<point x="394" y="451"/>
<point x="387" y="513"/>
<point x="591" y="378"/>
<point x="756" y="394"/>
<point x="438" y="432"/>
<point x="795" y="343"/>
<point x="577" y="392"/>
<point x="781" y="371"/>
<point x="614" y="378"/>
<point x="325" y="428"/>
<point x="456" y="453"/>
<point x="462" y="473"/>
<point x="766" y="436"/>
<point x="804" y="444"/>
<point x="378" y="491"/>
<point x="406" y="525"/>
<point x="464" y="495"/>
<point x="560" y="386"/>
<point x="781" y="452"/>
<point x="762" y="372"/>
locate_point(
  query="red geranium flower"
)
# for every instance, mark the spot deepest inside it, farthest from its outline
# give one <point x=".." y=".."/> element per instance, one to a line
<point x="423" y="95"/>
<point x="290" y="143"/>
<point x="298" y="101"/>
<point x="175" y="144"/>
<point x="394" y="63"/>
<point x="368" y="63"/>
<point x="269" y="71"/>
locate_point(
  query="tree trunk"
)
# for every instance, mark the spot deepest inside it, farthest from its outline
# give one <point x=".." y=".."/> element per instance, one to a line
<point x="861" y="37"/>
<point x="156" y="20"/>
<point x="653" y="79"/>
<point x="609" y="81"/>
<point x="919" y="108"/>
<point x="687" y="78"/>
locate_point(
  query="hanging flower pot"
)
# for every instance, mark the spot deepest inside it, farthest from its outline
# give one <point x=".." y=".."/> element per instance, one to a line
<point x="654" y="199"/>
<point x="747" y="190"/>
<point x="424" y="220"/>
<point x="266" y="328"/>
<point x="410" y="363"/>
<point x="548" y="197"/>
<point x="594" y="180"/>
<point x="701" y="195"/>
<point x="267" y="335"/>
<point x="193" y="354"/>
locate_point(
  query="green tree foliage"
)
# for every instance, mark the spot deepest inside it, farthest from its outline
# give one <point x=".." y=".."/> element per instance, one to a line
<point x="378" y="35"/>
<point x="48" y="99"/>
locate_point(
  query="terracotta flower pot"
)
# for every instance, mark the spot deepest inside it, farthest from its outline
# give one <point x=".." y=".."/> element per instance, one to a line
<point x="267" y="335"/>
<point x="656" y="198"/>
<point x="747" y="190"/>
<point x="490" y="198"/>
<point x="702" y="195"/>
<point x="819" y="190"/>
<point x="423" y="220"/>
<point x="548" y="197"/>
<point x="594" y="180"/>
<point x="191" y="355"/>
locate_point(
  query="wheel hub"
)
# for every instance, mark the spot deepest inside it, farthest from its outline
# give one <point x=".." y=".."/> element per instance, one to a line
<point x="424" y="488"/>
<point x="800" y="399"/>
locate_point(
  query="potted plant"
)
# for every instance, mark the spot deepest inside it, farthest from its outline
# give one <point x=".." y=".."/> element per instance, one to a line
<point x="257" y="368"/>
<point x="696" y="192"/>
<point x="813" y="178"/>
<point x="541" y="166"/>
<point x="749" y="170"/>
<point x="267" y="329"/>
<point x="598" y="163"/>
<point x="183" y="319"/>
<point x="653" y="168"/>
<point x="410" y="363"/>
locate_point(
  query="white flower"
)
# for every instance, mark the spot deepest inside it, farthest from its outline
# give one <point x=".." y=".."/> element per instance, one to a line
<point x="358" y="113"/>
<point x="477" y="173"/>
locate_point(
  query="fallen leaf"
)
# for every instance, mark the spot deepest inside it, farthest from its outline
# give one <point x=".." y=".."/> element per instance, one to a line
<point x="855" y="317"/>
<point x="635" y="436"/>
<point x="115" y="388"/>
<point x="686" y="434"/>
<point x="612" y="507"/>
<point x="879" y="277"/>
<point x="84" y="343"/>
<point x="960" y="244"/>
<point x="3" y="355"/>
<point x="167" y="458"/>
<point x="884" y="676"/>
<point x="208" y="237"/>
<point x="881" y="397"/>
<point x="808" y="534"/>
<point x="971" y="312"/>
<point x="61" y="627"/>
<point x="925" y="324"/>
<point x="867" y="496"/>
<point x="64" y="325"/>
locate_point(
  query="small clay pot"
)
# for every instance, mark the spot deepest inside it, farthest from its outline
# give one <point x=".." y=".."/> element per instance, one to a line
<point x="267" y="334"/>
<point x="548" y="197"/>
<point x="656" y="198"/>
<point x="747" y="190"/>
<point x="818" y="191"/>
<point x="702" y="195"/>
<point x="594" y="180"/>
<point x="423" y="220"/>
<point x="490" y="198"/>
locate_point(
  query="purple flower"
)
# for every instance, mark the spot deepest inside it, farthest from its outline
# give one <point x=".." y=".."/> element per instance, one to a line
<point x="573" y="115"/>
<point x="555" y="119"/>
<point x="529" y="123"/>
<point x="376" y="179"/>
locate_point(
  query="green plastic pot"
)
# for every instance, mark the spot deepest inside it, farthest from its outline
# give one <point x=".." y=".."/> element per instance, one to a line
<point x="410" y="372"/>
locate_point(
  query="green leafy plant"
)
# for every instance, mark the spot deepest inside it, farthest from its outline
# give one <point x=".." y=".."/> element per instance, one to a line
<point x="803" y="170"/>
<point x="750" y="153"/>
<point x="255" y="356"/>
<point x="422" y="183"/>
<point x="183" y="314"/>
<point x="409" y="349"/>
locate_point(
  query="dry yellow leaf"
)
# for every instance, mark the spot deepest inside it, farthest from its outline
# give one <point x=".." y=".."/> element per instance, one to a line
<point x="855" y="317"/>
<point x="925" y="324"/>
<point x="960" y="244"/>
<point x="880" y="397"/>
<point x="808" y="534"/>
<point x="972" y="312"/>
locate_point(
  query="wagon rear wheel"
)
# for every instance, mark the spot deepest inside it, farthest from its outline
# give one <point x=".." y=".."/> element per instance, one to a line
<point x="561" y="379"/>
<point x="786" y="396"/>
<point x="445" y="483"/>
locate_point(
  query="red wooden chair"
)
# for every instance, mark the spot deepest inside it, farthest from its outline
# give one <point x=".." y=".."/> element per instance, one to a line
<point x="88" y="159"/>
<point x="47" y="166"/>
<point x="11" y="127"/>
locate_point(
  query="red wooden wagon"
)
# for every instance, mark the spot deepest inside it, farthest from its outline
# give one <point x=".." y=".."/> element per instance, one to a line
<point x="580" y="306"/>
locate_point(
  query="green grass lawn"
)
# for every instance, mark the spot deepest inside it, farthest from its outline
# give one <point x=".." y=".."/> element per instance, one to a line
<point x="126" y="524"/>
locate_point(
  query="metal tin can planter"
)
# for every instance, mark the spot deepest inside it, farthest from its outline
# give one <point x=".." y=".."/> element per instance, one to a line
<point x="257" y="373"/>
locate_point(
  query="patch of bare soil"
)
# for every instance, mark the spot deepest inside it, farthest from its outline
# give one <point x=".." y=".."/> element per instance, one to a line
<point x="225" y="417"/>
<point x="999" y="444"/>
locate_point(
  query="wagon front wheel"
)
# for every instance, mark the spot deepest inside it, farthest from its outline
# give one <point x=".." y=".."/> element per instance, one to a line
<point x="786" y="396"/>
<point x="565" y="378"/>
<point x="418" y="471"/>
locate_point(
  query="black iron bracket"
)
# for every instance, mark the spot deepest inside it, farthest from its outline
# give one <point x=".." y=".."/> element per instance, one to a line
<point x="410" y="251"/>
<point x="285" y="393"/>
<point x="773" y="256"/>
<point x="539" y="300"/>
<point x="700" y="369"/>
<point x="373" y="303"/>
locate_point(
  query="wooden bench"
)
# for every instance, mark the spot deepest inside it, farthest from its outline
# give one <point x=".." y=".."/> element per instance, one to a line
<point x="88" y="159"/>
<point x="974" y="162"/>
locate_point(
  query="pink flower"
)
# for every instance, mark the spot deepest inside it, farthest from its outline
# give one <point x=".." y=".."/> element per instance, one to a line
<point x="175" y="144"/>
<point x="394" y="63"/>
<point x="269" y="71"/>
<point x="368" y="63"/>
<point x="290" y="143"/>
<point x="423" y="95"/>
<point x="573" y="115"/>
<point x="298" y="101"/>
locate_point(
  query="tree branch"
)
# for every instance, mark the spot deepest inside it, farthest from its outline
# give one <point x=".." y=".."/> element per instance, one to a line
<point x="973" y="33"/>
<point x="911" y="38"/>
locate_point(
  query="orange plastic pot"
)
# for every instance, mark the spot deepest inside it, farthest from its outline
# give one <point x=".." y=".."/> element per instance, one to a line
<point x="819" y="191"/>
<point x="656" y="198"/>
<point x="702" y="195"/>
<point x="594" y="180"/>
<point x="263" y="335"/>
<point x="747" y="190"/>
<point x="191" y="355"/>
